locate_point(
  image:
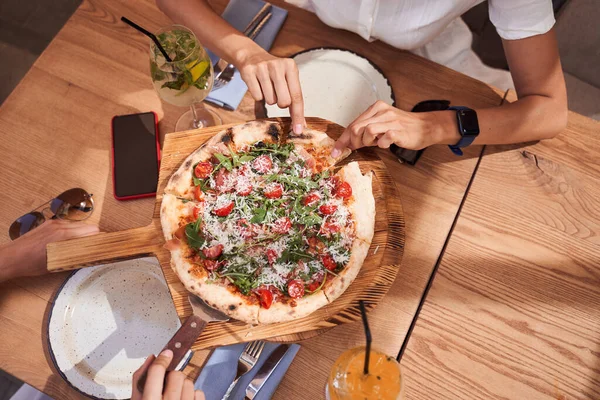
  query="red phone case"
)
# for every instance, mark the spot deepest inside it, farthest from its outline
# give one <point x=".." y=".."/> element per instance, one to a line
<point x="112" y="145"/>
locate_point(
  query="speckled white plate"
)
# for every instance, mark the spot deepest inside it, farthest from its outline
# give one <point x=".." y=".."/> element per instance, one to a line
<point x="105" y="321"/>
<point x="337" y="85"/>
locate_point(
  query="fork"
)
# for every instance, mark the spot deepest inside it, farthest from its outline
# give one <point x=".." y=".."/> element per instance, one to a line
<point x="246" y="362"/>
<point x="226" y="74"/>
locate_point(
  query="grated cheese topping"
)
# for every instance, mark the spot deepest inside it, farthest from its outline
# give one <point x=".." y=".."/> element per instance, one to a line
<point x="250" y="231"/>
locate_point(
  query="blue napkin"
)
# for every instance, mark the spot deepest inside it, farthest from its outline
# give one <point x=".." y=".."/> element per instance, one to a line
<point x="220" y="369"/>
<point x="239" y="13"/>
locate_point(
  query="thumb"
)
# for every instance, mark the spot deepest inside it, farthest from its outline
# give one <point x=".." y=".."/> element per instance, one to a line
<point x="341" y="144"/>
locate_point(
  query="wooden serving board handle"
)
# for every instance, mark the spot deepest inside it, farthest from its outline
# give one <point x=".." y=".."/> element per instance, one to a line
<point x="103" y="248"/>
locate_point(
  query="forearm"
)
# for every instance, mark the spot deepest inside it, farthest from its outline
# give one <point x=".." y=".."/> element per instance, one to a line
<point x="210" y="29"/>
<point x="528" y="119"/>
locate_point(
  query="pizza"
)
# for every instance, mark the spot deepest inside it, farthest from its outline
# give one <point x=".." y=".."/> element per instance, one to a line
<point x="261" y="226"/>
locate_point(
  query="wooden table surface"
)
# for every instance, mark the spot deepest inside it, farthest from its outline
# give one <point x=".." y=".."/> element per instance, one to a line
<point x="514" y="310"/>
<point x="56" y="135"/>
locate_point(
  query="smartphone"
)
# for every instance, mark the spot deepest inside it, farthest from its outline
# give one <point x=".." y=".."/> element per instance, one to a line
<point x="412" y="156"/>
<point x="135" y="155"/>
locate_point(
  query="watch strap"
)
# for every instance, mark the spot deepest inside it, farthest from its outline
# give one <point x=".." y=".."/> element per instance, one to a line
<point x="464" y="140"/>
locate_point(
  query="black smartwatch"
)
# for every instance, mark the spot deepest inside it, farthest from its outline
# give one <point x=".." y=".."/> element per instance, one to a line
<point x="468" y="127"/>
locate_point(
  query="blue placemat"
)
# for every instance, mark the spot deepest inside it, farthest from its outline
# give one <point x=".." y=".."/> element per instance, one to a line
<point x="220" y="369"/>
<point x="239" y="13"/>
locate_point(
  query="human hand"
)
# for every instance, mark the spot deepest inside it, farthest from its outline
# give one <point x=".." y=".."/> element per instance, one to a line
<point x="26" y="255"/>
<point x="382" y="124"/>
<point x="177" y="387"/>
<point x="277" y="81"/>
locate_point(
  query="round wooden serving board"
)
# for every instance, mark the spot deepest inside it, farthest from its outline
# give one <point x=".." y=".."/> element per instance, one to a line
<point x="375" y="278"/>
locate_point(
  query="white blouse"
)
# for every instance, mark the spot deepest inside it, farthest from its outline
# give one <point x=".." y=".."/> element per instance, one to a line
<point x="432" y="28"/>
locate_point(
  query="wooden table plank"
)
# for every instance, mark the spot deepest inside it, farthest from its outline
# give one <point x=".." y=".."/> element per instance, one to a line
<point x="56" y="131"/>
<point x="513" y="311"/>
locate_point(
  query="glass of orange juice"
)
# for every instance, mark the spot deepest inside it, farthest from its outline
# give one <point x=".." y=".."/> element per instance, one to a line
<point x="347" y="380"/>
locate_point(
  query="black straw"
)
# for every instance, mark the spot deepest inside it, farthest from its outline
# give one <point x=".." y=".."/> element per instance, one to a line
<point x="367" y="335"/>
<point x="150" y="35"/>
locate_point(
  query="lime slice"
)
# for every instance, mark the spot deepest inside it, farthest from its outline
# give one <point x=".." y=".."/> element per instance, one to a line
<point x="197" y="69"/>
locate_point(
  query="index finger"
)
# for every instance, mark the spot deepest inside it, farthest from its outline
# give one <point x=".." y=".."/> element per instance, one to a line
<point x="297" y="101"/>
<point x="156" y="376"/>
<point x="342" y="143"/>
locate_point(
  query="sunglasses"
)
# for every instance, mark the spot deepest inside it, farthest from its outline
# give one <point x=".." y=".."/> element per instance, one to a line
<point x="412" y="156"/>
<point x="72" y="205"/>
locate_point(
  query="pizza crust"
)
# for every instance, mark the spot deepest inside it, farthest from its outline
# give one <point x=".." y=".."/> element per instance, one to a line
<point x="363" y="206"/>
<point x="216" y="296"/>
<point x="172" y="211"/>
<point x="322" y="142"/>
<point x="279" y="312"/>
<point x="335" y="287"/>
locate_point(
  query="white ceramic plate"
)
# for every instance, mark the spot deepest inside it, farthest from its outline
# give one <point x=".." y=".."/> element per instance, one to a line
<point x="106" y="320"/>
<point x="337" y="85"/>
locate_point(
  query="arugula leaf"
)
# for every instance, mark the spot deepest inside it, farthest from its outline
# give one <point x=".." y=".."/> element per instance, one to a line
<point x="289" y="255"/>
<point x="294" y="181"/>
<point x="273" y="148"/>
<point x="203" y="183"/>
<point x="224" y="161"/>
<point x="246" y="158"/>
<point x="322" y="175"/>
<point x="194" y="239"/>
<point x="245" y="284"/>
<point x="259" y="215"/>
<point x="311" y="220"/>
<point x="183" y="200"/>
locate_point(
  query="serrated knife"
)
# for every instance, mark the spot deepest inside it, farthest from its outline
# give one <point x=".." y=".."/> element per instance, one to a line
<point x="266" y="370"/>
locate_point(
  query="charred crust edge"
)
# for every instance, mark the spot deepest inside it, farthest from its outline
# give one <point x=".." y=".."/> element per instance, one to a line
<point x="227" y="136"/>
<point x="273" y="131"/>
<point x="304" y="136"/>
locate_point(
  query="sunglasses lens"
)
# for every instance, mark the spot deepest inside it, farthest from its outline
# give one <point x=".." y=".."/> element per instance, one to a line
<point x="74" y="204"/>
<point x="25" y="223"/>
<point x="431" y="105"/>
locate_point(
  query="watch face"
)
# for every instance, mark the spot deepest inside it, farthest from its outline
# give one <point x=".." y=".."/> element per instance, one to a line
<point x="468" y="120"/>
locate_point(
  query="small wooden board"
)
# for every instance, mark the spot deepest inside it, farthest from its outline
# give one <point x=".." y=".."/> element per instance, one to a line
<point x="375" y="278"/>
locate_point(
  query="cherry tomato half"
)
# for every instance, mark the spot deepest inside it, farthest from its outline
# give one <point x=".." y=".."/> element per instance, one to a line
<point x="282" y="225"/>
<point x="274" y="191"/>
<point x="327" y="209"/>
<point x="328" y="262"/>
<point x="262" y="164"/>
<point x="296" y="289"/>
<point x="203" y="169"/>
<point x="343" y="190"/>
<point x="311" y="199"/>
<point x="265" y="298"/>
<point x="224" y="211"/>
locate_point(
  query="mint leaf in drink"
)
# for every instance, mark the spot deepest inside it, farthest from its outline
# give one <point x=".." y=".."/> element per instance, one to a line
<point x="156" y="73"/>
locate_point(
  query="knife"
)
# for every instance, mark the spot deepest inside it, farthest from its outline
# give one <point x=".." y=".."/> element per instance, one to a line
<point x="266" y="370"/>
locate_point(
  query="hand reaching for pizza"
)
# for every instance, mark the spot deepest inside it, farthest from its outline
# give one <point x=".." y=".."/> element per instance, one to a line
<point x="26" y="256"/>
<point x="382" y="124"/>
<point x="277" y="81"/>
<point x="176" y="387"/>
